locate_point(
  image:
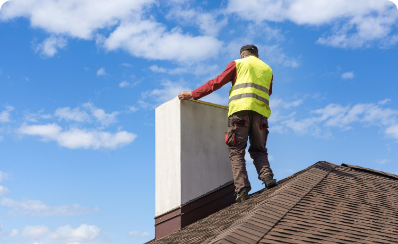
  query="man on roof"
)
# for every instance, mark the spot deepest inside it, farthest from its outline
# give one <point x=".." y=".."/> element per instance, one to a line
<point x="251" y="85"/>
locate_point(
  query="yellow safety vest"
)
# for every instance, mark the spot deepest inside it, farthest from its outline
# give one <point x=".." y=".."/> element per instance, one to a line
<point x="251" y="89"/>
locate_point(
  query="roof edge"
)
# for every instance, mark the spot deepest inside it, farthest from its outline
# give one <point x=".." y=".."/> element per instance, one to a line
<point x="371" y="171"/>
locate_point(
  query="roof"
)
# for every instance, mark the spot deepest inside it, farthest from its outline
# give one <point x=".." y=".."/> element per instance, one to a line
<point x="325" y="203"/>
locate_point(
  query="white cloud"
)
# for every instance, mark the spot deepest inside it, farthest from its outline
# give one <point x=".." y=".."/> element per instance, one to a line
<point x="392" y="131"/>
<point x="65" y="234"/>
<point x="123" y="84"/>
<point x="14" y="232"/>
<point x="127" y="65"/>
<point x="35" y="117"/>
<point x="275" y="54"/>
<point x="149" y="39"/>
<point x="276" y="103"/>
<point x="128" y="84"/>
<point x="389" y="41"/>
<point x="49" y="47"/>
<point x="348" y="75"/>
<point x="101" y="72"/>
<point x="133" y="109"/>
<point x="385" y="101"/>
<point x="338" y="116"/>
<point x="146" y="105"/>
<point x="139" y="36"/>
<point x="77" y="138"/>
<point x="85" y="113"/>
<point x="3" y="190"/>
<point x="75" y="114"/>
<point x="382" y="161"/>
<point x="267" y="32"/>
<point x="35" y="232"/>
<point x="102" y="117"/>
<point x="3" y="176"/>
<point x="170" y="90"/>
<point x="207" y="22"/>
<point x="5" y="115"/>
<point x="75" y="18"/>
<point x="84" y="233"/>
<point x="38" y="208"/>
<point x="138" y="234"/>
<point x="356" y="23"/>
<point x="157" y="69"/>
<point x="197" y="69"/>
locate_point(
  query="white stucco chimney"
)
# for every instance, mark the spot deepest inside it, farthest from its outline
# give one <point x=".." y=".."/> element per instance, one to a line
<point x="193" y="172"/>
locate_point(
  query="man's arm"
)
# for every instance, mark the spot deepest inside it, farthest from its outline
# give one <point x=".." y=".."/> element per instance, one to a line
<point x="229" y="74"/>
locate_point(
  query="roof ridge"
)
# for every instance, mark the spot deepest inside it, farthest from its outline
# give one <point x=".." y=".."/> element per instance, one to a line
<point x="371" y="171"/>
<point x="276" y="206"/>
<point x="290" y="177"/>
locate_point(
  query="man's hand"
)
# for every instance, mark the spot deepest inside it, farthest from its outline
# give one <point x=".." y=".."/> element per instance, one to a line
<point x="185" y="95"/>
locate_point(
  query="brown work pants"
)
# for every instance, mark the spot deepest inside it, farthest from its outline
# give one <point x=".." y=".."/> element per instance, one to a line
<point x="241" y="125"/>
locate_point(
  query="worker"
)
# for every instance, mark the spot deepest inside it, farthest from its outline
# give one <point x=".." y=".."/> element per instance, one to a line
<point x="251" y="85"/>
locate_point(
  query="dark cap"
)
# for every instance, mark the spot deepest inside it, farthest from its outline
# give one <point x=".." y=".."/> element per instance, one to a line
<point x="249" y="47"/>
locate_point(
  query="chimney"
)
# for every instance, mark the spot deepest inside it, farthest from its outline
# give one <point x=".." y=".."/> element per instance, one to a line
<point x="193" y="172"/>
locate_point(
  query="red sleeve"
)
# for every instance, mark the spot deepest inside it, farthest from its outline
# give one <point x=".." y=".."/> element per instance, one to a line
<point x="270" y="88"/>
<point x="229" y="74"/>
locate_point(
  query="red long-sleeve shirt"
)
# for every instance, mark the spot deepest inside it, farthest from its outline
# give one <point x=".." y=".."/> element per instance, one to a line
<point x="229" y="74"/>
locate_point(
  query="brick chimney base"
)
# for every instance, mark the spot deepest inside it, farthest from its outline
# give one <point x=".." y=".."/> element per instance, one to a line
<point x="195" y="210"/>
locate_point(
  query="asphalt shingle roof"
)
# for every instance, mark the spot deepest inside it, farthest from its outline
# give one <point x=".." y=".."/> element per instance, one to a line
<point x="325" y="203"/>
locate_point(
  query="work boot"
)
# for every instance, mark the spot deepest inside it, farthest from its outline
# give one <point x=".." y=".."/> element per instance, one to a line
<point x="242" y="195"/>
<point x="269" y="181"/>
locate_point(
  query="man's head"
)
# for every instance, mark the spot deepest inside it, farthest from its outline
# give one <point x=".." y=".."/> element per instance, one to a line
<point x="249" y="50"/>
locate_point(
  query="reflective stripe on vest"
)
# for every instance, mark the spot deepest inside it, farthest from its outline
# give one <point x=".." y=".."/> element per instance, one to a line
<point x="251" y="89"/>
<point x="249" y="95"/>
<point x="261" y="88"/>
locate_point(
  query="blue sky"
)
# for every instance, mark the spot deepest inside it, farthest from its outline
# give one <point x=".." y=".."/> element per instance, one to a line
<point x="79" y="81"/>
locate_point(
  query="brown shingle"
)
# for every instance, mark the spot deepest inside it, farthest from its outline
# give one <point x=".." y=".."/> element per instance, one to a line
<point x="324" y="203"/>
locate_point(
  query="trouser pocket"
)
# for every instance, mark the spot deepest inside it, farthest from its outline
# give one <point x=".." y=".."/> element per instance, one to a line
<point x="264" y="123"/>
<point x="230" y="137"/>
<point x="235" y="120"/>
